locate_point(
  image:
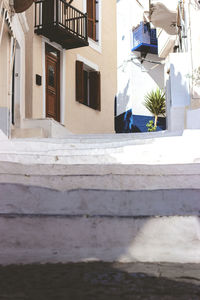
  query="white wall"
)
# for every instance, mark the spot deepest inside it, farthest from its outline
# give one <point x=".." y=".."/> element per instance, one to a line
<point x="134" y="79"/>
<point x="20" y="69"/>
<point x="180" y="90"/>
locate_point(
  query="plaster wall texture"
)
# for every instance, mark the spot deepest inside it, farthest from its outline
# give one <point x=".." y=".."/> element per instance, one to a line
<point x="188" y="88"/>
<point x="4" y="69"/>
<point x="180" y="89"/>
<point x="50" y="127"/>
<point x="177" y="117"/>
<point x="19" y="101"/>
<point x="193" y="119"/>
<point x="166" y="43"/>
<point x="5" y="120"/>
<point x="77" y="117"/>
<point x="32" y="200"/>
<point x="135" y="80"/>
<point x="194" y="35"/>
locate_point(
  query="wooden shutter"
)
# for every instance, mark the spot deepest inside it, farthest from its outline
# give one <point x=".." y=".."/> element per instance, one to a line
<point x="95" y="90"/>
<point x="91" y="11"/>
<point x="48" y="12"/>
<point x="79" y="82"/>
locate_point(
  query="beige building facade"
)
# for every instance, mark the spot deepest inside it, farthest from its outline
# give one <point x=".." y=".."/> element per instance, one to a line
<point x="99" y="57"/>
<point x="12" y="66"/>
<point x="62" y="80"/>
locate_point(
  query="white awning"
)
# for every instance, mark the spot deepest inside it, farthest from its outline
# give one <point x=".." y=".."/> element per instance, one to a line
<point x="164" y="14"/>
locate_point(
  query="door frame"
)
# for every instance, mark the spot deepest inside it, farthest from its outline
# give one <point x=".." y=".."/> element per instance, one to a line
<point x="16" y="88"/>
<point x="56" y="61"/>
<point x="62" y="77"/>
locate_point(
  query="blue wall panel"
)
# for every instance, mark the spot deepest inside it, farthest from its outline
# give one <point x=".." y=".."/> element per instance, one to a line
<point x="127" y="123"/>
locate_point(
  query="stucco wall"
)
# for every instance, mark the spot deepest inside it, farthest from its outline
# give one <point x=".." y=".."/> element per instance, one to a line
<point x="4" y="68"/>
<point x="13" y="36"/>
<point x="77" y="117"/>
<point x="194" y="43"/>
<point x="29" y="64"/>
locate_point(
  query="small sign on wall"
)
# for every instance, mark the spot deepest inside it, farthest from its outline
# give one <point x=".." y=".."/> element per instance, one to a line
<point x="38" y="79"/>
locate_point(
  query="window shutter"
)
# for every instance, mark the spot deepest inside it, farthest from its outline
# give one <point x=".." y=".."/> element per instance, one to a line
<point x="48" y="12"/>
<point x="91" y="11"/>
<point x="95" y="90"/>
<point x="79" y="82"/>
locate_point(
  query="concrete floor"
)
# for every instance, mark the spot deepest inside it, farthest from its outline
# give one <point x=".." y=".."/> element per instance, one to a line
<point x="102" y="281"/>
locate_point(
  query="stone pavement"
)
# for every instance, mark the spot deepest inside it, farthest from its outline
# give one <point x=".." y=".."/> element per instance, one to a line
<point x="100" y="281"/>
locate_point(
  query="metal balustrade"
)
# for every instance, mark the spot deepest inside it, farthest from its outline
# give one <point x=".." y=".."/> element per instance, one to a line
<point x="61" y="22"/>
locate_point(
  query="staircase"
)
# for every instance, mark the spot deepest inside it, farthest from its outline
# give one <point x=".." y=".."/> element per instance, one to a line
<point x="40" y="128"/>
<point x="100" y="197"/>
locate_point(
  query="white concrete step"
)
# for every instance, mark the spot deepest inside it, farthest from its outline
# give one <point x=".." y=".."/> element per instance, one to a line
<point x="26" y="133"/>
<point x="169" y="150"/>
<point x="51" y="128"/>
<point x="165" y="163"/>
<point x="107" y="199"/>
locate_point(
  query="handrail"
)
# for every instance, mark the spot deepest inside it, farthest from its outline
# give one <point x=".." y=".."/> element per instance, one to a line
<point x="71" y="6"/>
<point x="64" y="14"/>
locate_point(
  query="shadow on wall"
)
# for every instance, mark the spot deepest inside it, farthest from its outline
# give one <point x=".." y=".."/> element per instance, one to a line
<point x="123" y="100"/>
<point x="179" y="82"/>
<point x="154" y="71"/>
<point x="155" y="75"/>
<point x="178" y="97"/>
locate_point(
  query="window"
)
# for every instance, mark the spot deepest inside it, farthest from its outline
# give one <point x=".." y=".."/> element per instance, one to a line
<point x="93" y="18"/>
<point x="88" y="86"/>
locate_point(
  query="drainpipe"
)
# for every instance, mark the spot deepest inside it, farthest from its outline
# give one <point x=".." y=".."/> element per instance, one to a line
<point x="3" y="21"/>
<point x="190" y="50"/>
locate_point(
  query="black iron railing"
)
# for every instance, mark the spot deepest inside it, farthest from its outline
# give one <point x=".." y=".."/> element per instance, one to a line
<point x="59" y="13"/>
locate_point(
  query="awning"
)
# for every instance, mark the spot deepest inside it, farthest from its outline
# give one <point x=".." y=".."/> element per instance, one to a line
<point x="22" y="5"/>
<point x="164" y="14"/>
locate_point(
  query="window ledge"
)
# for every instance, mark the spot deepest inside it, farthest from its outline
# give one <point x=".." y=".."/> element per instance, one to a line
<point x="95" y="45"/>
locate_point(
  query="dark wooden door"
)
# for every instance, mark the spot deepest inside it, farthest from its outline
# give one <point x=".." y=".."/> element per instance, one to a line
<point x="52" y="83"/>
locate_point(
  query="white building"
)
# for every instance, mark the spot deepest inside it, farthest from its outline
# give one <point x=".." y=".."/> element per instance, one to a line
<point x="135" y="78"/>
<point x="13" y="28"/>
<point x="178" y="33"/>
<point x="178" y="44"/>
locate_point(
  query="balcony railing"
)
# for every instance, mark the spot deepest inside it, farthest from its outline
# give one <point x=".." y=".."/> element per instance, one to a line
<point x="145" y="39"/>
<point x="61" y="22"/>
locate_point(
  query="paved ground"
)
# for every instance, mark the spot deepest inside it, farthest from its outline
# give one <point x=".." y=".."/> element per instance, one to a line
<point x="100" y="281"/>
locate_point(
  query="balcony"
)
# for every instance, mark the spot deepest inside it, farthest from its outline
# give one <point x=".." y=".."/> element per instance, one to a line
<point x="144" y="39"/>
<point x="62" y="23"/>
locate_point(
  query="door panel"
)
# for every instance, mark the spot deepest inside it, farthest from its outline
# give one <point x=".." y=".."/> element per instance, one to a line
<point x="52" y="85"/>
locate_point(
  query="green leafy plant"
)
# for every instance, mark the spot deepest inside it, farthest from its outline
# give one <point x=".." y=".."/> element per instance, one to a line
<point x="155" y="103"/>
<point x="151" y="126"/>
